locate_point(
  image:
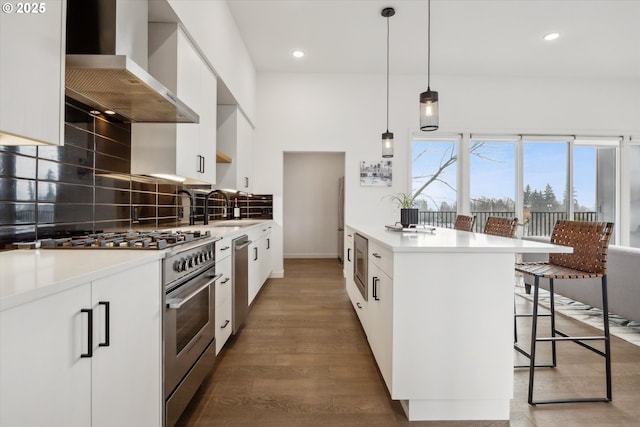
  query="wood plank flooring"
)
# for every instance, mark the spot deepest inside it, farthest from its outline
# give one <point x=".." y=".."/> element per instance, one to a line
<point x="303" y="360"/>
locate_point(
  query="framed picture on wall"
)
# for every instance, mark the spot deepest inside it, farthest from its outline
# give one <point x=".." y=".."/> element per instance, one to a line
<point x="376" y="173"/>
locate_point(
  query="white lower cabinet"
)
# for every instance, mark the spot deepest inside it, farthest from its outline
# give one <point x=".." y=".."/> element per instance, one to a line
<point x="375" y="313"/>
<point x="380" y="318"/>
<point x="259" y="258"/>
<point x="44" y="378"/>
<point x="224" y="301"/>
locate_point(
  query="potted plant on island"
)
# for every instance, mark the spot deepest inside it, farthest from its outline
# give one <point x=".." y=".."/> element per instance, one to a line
<point x="408" y="213"/>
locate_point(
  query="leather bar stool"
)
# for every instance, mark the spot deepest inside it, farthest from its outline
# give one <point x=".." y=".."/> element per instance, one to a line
<point x="590" y="243"/>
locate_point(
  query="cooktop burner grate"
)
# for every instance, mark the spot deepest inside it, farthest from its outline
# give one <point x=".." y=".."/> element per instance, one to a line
<point x="126" y="240"/>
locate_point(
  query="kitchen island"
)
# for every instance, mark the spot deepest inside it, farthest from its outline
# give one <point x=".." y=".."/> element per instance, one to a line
<point x="439" y="317"/>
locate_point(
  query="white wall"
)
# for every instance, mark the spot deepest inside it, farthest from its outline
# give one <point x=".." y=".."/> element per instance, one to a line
<point x="310" y="204"/>
<point x="346" y="112"/>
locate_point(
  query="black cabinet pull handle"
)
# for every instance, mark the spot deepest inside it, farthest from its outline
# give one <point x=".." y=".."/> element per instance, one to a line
<point x="255" y="250"/>
<point x="225" y="248"/>
<point x="89" y="312"/>
<point x="349" y="254"/>
<point x="225" y="281"/>
<point x="376" y="255"/>
<point x="268" y="243"/>
<point x="358" y="304"/>
<point x="375" y="288"/>
<point x="107" y="322"/>
<point x="204" y="159"/>
<point x="226" y="322"/>
<point x="246" y="182"/>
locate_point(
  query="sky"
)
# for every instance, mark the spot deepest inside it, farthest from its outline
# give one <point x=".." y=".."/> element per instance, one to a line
<point x="493" y="175"/>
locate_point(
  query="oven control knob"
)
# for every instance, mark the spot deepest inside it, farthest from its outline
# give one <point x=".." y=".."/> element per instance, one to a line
<point x="190" y="262"/>
<point x="210" y="254"/>
<point x="176" y="266"/>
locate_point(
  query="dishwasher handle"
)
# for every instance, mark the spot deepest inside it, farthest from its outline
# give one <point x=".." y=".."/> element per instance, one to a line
<point x="243" y="245"/>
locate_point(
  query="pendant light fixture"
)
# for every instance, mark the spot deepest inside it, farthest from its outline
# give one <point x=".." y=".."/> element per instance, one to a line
<point x="387" y="137"/>
<point x="429" y="115"/>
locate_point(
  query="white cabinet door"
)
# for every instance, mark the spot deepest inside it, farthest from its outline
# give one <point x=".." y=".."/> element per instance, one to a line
<point x="189" y="90"/>
<point x="265" y="257"/>
<point x="348" y="254"/>
<point x="126" y="374"/>
<point x="380" y="327"/>
<point x="183" y="149"/>
<point x="32" y="49"/>
<point x="235" y="139"/>
<point x="208" y="119"/>
<point x="255" y="274"/>
<point x="44" y="381"/>
<point x="224" y="301"/>
<point x="244" y="154"/>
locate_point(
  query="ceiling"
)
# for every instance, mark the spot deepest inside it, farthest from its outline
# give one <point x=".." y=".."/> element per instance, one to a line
<point x="598" y="38"/>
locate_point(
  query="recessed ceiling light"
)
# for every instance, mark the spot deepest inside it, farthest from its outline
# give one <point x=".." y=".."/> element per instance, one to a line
<point x="109" y="112"/>
<point x="551" y="36"/>
<point x="297" y="53"/>
<point x="96" y="112"/>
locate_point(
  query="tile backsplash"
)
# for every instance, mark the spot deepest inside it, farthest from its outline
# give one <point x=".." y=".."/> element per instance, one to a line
<point x="86" y="186"/>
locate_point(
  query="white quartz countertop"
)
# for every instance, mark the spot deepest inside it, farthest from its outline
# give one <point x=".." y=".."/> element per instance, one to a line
<point x="449" y="240"/>
<point x="26" y="275"/>
<point x="30" y="274"/>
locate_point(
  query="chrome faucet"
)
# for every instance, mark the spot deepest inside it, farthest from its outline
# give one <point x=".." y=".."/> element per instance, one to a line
<point x="192" y="212"/>
<point x="206" y="204"/>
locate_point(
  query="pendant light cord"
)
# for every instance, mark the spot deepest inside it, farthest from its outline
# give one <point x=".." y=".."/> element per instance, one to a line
<point x="428" y="44"/>
<point x="387" y="74"/>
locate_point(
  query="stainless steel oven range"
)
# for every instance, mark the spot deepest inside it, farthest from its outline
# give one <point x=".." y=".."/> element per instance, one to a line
<point x="189" y="323"/>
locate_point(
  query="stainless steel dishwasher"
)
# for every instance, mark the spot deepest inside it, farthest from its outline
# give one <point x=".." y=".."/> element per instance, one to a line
<point x="240" y="260"/>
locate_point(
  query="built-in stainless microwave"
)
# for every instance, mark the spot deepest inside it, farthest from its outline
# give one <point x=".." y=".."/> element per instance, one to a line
<point x="361" y="251"/>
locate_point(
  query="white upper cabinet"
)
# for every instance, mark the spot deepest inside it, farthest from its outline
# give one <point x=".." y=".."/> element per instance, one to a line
<point x="185" y="150"/>
<point x="32" y="49"/>
<point x="234" y="139"/>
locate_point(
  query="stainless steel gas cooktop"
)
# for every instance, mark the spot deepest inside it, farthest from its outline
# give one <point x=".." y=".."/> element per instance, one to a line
<point x="125" y="240"/>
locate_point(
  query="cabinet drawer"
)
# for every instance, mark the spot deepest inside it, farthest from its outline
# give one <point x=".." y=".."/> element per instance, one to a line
<point x="382" y="257"/>
<point x="223" y="249"/>
<point x="224" y="321"/>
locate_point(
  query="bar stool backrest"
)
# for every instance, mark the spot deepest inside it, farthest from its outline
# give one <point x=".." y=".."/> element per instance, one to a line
<point x="590" y="243"/>
<point x="464" y="222"/>
<point x="498" y="226"/>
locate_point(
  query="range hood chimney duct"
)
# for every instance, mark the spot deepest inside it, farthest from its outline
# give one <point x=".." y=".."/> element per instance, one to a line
<point x="107" y="59"/>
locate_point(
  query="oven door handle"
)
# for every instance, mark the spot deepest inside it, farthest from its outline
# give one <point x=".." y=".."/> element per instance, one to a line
<point x="179" y="302"/>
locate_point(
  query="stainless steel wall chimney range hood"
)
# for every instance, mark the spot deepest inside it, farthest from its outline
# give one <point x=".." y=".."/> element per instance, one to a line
<point x="106" y="60"/>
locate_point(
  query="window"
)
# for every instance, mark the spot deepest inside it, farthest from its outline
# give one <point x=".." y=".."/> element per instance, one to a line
<point x="545" y="192"/>
<point x="538" y="179"/>
<point x="433" y="181"/>
<point x="492" y="180"/>
<point x="594" y="179"/>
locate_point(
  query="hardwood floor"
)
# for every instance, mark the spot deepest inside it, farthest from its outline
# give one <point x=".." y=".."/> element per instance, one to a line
<point x="302" y="360"/>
